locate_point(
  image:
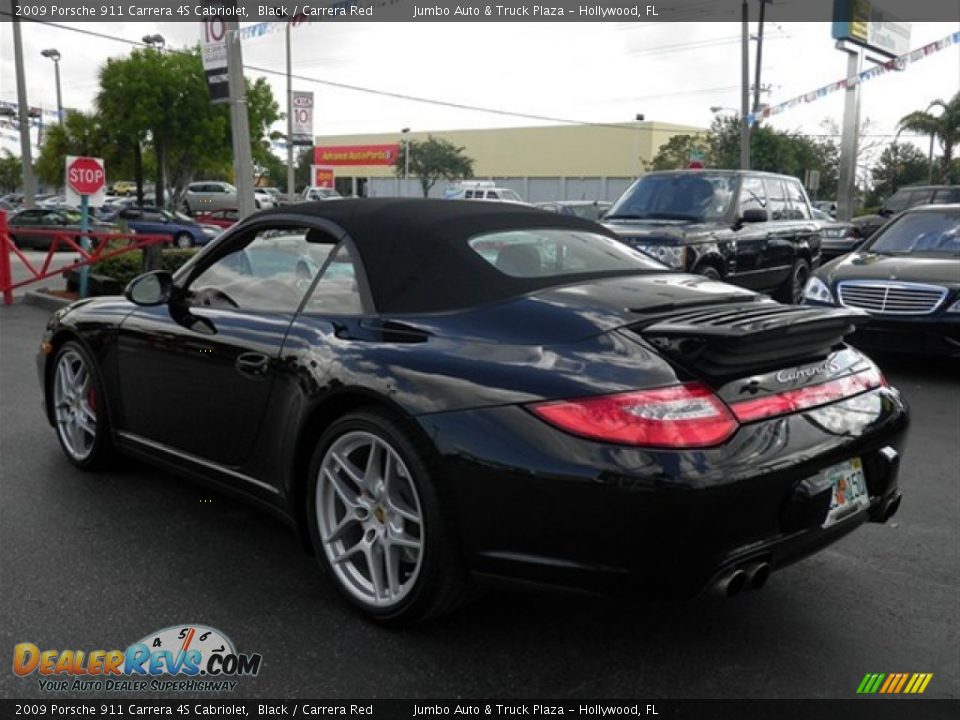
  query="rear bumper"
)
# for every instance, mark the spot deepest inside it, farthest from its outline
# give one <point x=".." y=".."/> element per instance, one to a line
<point x="536" y="504"/>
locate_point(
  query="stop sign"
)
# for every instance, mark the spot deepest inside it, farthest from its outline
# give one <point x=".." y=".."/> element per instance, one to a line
<point x="85" y="175"/>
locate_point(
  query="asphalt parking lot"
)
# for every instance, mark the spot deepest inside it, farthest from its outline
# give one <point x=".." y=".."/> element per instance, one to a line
<point x="99" y="561"/>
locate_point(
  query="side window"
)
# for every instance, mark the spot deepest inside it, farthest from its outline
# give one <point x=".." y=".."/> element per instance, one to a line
<point x="468" y="195"/>
<point x="153" y="216"/>
<point x="337" y="292"/>
<point x="779" y="210"/>
<point x="898" y="201"/>
<point x="752" y="195"/>
<point x="271" y="273"/>
<point x="799" y="209"/>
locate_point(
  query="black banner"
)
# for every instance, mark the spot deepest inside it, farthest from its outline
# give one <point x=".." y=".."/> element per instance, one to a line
<point x="566" y="11"/>
<point x="863" y="709"/>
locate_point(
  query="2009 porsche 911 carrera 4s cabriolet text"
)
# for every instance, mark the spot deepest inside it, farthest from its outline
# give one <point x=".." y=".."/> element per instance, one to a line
<point x="433" y="391"/>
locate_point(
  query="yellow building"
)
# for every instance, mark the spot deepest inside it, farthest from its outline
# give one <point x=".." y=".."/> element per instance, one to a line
<point x="553" y="162"/>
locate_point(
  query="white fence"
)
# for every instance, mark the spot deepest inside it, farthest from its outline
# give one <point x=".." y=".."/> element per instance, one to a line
<point x="531" y="189"/>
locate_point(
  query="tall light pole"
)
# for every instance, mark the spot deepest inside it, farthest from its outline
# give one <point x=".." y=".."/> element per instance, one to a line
<point x="406" y="158"/>
<point x="29" y="179"/>
<point x="156" y="42"/>
<point x="54" y="55"/>
<point x="932" y="137"/>
<point x="745" y="89"/>
<point x="640" y="161"/>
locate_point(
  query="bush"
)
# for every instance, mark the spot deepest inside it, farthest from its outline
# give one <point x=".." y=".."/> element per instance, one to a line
<point x="124" y="268"/>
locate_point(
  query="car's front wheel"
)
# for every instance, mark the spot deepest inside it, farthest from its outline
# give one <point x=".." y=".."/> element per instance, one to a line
<point x="792" y="289"/>
<point x="710" y="272"/>
<point x="377" y="524"/>
<point x="78" y="405"/>
<point x="183" y="240"/>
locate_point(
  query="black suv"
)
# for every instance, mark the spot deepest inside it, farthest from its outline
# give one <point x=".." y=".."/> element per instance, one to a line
<point x="751" y="229"/>
<point x="904" y="199"/>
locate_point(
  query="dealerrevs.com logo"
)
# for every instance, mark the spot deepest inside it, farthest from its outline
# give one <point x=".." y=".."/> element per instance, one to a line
<point x="179" y="658"/>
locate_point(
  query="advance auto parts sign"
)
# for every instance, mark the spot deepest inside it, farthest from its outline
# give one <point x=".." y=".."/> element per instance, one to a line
<point x="356" y="155"/>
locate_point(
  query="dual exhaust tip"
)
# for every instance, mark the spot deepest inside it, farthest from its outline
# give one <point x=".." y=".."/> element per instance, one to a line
<point x="751" y="576"/>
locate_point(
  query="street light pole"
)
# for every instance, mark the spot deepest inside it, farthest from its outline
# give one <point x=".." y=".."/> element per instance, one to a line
<point x="745" y="89"/>
<point x="54" y="55"/>
<point x="930" y="154"/>
<point x="406" y="159"/>
<point x="29" y="179"/>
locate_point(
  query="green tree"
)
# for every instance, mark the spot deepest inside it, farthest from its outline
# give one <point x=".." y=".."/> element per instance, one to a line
<point x="79" y="134"/>
<point x="676" y="152"/>
<point x="900" y="164"/>
<point x="945" y="127"/>
<point x="434" y="159"/>
<point x="774" y="151"/>
<point x="160" y="100"/>
<point x="11" y="172"/>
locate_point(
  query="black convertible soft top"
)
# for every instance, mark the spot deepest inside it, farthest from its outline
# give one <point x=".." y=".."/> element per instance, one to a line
<point x="416" y="255"/>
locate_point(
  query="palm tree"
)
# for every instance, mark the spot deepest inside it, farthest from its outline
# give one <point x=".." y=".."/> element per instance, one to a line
<point x="945" y="127"/>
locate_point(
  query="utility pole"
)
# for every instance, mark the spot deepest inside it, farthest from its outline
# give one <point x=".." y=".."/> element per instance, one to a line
<point x="745" y="89"/>
<point x="290" y="174"/>
<point x="756" y="81"/>
<point x="29" y="180"/>
<point x="239" y="122"/>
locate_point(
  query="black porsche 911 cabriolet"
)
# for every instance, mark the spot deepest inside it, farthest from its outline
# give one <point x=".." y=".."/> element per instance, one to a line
<point x="433" y="391"/>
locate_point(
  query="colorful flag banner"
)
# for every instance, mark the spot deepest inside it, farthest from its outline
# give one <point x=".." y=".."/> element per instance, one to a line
<point x="898" y="63"/>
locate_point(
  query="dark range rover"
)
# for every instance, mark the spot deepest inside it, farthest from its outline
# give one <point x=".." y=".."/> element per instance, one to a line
<point x="751" y="229"/>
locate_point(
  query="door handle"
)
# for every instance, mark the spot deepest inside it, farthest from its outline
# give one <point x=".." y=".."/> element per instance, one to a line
<point x="253" y="364"/>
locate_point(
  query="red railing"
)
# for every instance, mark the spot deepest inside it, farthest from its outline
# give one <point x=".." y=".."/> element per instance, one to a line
<point x="102" y="246"/>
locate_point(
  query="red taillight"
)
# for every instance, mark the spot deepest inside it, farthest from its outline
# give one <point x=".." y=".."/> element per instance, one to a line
<point x="681" y="416"/>
<point x="808" y="397"/>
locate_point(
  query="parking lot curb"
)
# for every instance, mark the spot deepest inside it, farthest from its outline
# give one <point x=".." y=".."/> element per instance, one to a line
<point x="45" y="300"/>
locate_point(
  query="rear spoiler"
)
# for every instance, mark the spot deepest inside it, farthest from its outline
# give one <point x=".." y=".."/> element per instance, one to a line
<point x="748" y="337"/>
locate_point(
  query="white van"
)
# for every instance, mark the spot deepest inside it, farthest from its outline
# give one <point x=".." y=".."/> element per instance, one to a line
<point x="482" y="190"/>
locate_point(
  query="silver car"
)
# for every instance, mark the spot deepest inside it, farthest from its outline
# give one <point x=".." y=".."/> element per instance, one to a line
<point x="208" y="196"/>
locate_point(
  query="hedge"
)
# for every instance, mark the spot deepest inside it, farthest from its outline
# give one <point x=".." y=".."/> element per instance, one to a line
<point x="124" y="268"/>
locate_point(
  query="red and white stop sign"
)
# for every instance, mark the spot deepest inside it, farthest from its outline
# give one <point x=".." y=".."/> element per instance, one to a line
<point x="85" y="175"/>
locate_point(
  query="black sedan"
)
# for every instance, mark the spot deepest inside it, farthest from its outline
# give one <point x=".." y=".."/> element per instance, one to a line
<point x="836" y="237"/>
<point x="907" y="276"/>
<point x="433" y="391"/>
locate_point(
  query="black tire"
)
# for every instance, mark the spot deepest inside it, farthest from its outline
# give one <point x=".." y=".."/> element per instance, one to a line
<point x="709" y="271"/>
<point x="183" y="240"/>
<point x="791" y="291"/>
<point x="443" y="582"/>
<point x="101" y="454"/>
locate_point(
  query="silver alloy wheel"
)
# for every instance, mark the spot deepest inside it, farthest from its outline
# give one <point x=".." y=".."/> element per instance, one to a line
<point x="184" y="241"/>
<point x="370" y="519"/>
<point x="75" y="405"/>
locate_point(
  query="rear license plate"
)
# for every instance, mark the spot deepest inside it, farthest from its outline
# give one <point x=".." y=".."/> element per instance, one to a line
<point x="848" y="487"/>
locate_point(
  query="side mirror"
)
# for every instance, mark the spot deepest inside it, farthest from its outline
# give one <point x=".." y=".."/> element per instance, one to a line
<point x="149" y="289"/>
<point x="754" y="215"/>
